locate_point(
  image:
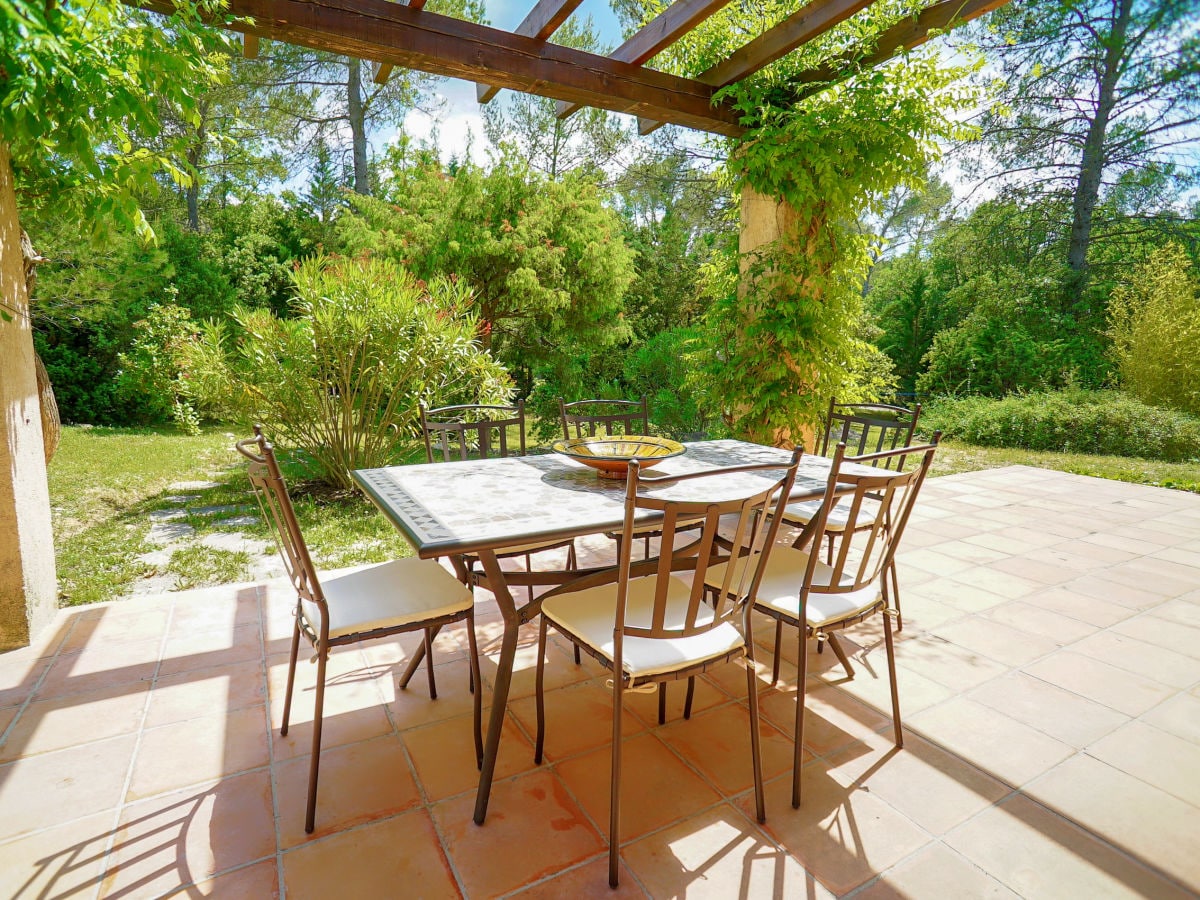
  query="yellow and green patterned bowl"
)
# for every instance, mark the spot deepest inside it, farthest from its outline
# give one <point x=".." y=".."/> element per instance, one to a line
<point x="610" y="456"/>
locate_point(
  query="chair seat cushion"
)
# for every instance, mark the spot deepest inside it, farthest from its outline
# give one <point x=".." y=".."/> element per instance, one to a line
<point x="779" y="590"/>
<point x="590" y="615"/>
<point x="389" y="595"/>
<point x="839" y="516"/>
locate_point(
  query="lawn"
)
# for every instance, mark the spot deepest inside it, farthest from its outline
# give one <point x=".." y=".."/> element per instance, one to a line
<point x="108" y="486"/>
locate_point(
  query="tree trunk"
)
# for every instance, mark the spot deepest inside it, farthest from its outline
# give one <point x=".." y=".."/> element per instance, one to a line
<point x="1091" y="164"/>
<point x="358" y="125"/>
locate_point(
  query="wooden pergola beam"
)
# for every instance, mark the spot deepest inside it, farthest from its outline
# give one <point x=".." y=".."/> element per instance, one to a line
<point x="656" y="35"/>
<point x="250" y="46"/>
<point x="395" y="34"/>
<point x="383" y="71"/>
<point x="543" y="20"/>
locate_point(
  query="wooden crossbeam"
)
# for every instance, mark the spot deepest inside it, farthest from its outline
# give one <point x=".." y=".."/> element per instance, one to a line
<point x="250" y="46"/>
<point x="904" y="35"/>
<point x="543" y="20"/>
<point x="395" y="34"/>
<point x="656" y="35"/>
<point x="383" y="71"/>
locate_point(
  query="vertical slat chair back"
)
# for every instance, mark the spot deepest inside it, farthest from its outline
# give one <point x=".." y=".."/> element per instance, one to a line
<point x="877" y="507"/>
<point x="869" y="429"/>
<point x="277" y="510"/>
<point x="591" y="418"/>
<point x="754" y="511"/>
<point x="455" y="432"/>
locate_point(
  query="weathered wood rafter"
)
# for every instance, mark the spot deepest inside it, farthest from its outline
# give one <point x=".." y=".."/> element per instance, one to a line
<point x="383" y="71"/>
<point x="543" y="20"/>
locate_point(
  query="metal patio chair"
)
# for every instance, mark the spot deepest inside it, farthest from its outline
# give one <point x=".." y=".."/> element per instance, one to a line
<point x="648" y="626"/>
<point x="820" y="598"/>
<point x="397" y="597"/>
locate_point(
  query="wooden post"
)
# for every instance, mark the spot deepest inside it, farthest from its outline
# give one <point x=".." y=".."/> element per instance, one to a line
<point x="28" y="587"/>
<point x="765" y="220"/>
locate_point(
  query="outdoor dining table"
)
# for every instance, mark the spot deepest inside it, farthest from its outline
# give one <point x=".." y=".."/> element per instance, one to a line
<point x="479" y="507"/>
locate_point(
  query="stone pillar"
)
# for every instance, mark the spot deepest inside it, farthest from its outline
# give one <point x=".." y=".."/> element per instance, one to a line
<point x="765" y="220"/>
<point x="28" y="586"/>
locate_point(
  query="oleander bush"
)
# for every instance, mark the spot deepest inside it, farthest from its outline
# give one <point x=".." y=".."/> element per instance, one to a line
<point x="1069" y="421"/>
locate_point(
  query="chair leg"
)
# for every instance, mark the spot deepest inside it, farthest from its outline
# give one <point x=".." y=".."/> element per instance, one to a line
<point x="687" y="701"/>
<point x="614" y="817"/>
<point x="529" y="568"/>
<point x="539" y="692"/>
<point x="778" y="652"/>
<point x="578" y="659"/>
<point x="477" y="691"/>
<point x="429" y="663"/>
<point x="891" y="659"/>
<point x="755" y="751"/>
<point x="314" y="764"/>
<point x="287" y="696"/>
<point x="896" y="596"/>
<point x="801" y="678"/>
<point x="662" y="703"/>
<point x="840" y="653"/>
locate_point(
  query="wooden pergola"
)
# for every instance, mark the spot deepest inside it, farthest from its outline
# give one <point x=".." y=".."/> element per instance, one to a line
<point x="404" y="34"/>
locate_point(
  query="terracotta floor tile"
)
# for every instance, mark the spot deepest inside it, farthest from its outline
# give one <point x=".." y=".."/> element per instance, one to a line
<point x="412" y="707"/>
<point x="707" y="695"/>
<point x="1006" y="584"/>
<point x="1003" y="747"/>
<point x="832" y="719"/>
<point x="560" y="667"/>
<point x="1155" y="756"/>
<point x="19" y="672"/>
<point x="68" y="721"/>
<point x="52" y="788"/>
<point x="205" y="649"/>
<point x="398" y="856"/>
<point x="935" y="789"/>
<point x="1153" y="826"/>
<point x="259" y="881"/>
<point x="1101" y="587"/>
<point x="842" y="835"/>
<point x="995" y="640"/>
<point x="936" y="871"/>
<point x="443" y="755"/>
<point x="190" y="835"/>
<point x="211" y="609"/>
<point x="1029" y="616"/>
<point x="578" y="718"/>
<point x="1092" y="611"/>
<point x="656" y="788"/>
<point x="957" y="594"/>
<point x="202" y="692"/>
<point x="1141" y="658"/>
<point x="947" y="663"/>
<point x="1042" y="856"/>
<point x="1184" y="610"/>
<point x="100" y="666"/>
<point x="65" y="861"/>
<point x="533" y="829"/>
<point x="199" y="750"/>
<point x="717" y="742"/>
<point x="115" y="625"/>
<point x="1177" y="637"/>
<point x="358" y="783"/>
<point x="718" y="853"/>
<point x="354" y="711"/>
<point x="1059" y="713"/>
<point x="1179" y="716"/>
<point x="1124" y="691"/>
<point x="586" y="882"/>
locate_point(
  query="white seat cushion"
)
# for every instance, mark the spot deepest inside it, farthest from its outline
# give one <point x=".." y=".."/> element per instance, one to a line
<point x="780" y="589"/>
<point x="839" y="516"/>
<point x="591" y="616"/>
<point x="389" y="595"/>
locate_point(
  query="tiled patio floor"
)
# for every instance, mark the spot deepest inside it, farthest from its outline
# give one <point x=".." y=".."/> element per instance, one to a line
<point x="1049" y="676"/>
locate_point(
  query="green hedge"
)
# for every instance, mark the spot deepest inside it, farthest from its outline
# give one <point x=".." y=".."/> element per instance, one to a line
<point x="1075" y="421"/>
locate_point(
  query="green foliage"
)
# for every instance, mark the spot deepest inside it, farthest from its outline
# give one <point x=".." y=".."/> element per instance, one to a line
<point x="545" y="259"/>
<point x="342" y="379"/>
<point x="1155" y="328"/>
<point x="151" y="368"/>
<point x="1072" y="421"/>
<point x="664" y="371"/>
<point x="82" y="89"/>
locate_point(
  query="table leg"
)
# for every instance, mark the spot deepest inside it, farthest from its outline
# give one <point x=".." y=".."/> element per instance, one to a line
<point x="508" y="652"/>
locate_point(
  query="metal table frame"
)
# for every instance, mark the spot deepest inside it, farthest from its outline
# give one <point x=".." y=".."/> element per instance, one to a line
<point x="479" y="507"/>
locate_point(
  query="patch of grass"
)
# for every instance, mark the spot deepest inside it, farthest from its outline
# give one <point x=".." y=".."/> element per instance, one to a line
<point x="199" y="566"/>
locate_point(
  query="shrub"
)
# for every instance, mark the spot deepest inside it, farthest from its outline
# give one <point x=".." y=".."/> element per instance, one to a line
<point x="342" y="379"/>
<point x="1072" y="421"/>
<point x="663" y="370"/>
<point x="150" y="373"/>
<point x="1154" y="323"/>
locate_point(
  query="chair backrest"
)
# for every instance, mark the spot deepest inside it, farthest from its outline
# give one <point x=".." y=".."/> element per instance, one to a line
<point x="277" y="510"/>
<point x="590" y="417"/>
<point x="748" y="503"/>
<point x="877" y="507"/>
<point x="870" y="428"/>
<point x="456" y="431"/>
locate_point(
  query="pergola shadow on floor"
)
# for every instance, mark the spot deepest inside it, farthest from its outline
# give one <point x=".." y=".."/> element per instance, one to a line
<point x="1049" y="675"/>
